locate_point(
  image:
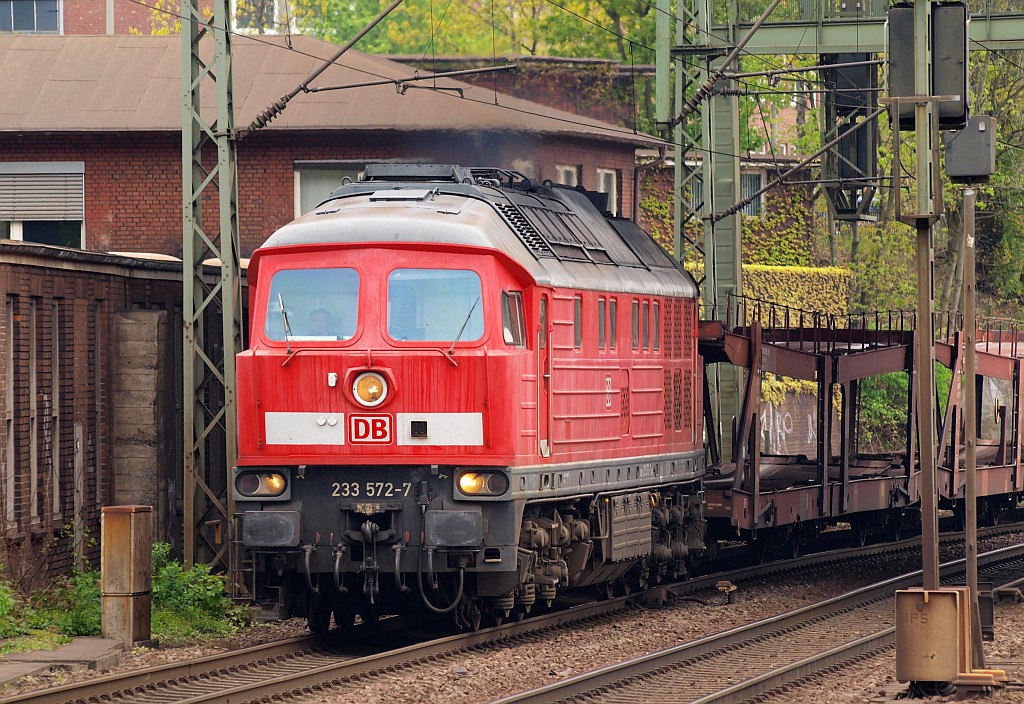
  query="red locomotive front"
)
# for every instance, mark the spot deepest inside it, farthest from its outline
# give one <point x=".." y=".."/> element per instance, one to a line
<point x="463" y="394"/>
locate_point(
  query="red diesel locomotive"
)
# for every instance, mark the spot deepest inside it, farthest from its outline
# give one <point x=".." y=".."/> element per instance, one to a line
<point x="464" y="392"/>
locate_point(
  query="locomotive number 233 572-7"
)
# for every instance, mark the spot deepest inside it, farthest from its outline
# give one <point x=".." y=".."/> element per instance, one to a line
<point x="383" y="490"/>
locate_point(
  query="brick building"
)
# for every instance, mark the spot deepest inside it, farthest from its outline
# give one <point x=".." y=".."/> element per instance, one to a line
<point x="88" y="16"/>
<point x="599" y="88"/>
<point x="88" y="401"/>
<point x="91" y="149"/>
<point x="91" y="158"/>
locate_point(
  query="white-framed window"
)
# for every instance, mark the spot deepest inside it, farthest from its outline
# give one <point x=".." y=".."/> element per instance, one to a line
<point x="567" y="174"/>
<point x="315" y="180"/>
<point x="30" y="16"/>
<point x="43" y="202"/>
<point x="261" y="16"/>
<point x="750" y="182"/>
<point x="608" y="182"/>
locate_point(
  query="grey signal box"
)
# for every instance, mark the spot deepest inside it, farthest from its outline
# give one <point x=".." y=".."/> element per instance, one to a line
<point x="971" y="152"/>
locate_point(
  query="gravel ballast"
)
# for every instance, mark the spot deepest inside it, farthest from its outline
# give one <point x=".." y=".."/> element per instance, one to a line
<point x="486" y="675"/>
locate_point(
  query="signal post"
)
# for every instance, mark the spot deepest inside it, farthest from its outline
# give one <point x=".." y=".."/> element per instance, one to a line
<point x="936" y="648"/>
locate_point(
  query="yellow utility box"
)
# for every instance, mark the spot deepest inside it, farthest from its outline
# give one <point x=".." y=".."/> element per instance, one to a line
<point x="934" y="639"/>
<point x="927" y="635"/>
<point x="126" y="564"/>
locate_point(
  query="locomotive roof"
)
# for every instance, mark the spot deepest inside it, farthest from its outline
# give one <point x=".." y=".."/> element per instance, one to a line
<point x="556" y="233"/>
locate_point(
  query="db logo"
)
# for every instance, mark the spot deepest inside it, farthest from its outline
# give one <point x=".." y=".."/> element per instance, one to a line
<point x="369" y="429"/>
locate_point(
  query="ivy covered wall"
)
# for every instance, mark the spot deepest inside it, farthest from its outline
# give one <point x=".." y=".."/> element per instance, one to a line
<point x="781" y="235"/>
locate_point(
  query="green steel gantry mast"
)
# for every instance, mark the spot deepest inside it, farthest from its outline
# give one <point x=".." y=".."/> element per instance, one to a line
<point x="704" y="32"/>
<point x="211" y="305"/>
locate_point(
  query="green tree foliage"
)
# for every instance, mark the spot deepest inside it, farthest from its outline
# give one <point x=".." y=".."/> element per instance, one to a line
<point x="998" y="84"/>
<point x="613" y="29"/>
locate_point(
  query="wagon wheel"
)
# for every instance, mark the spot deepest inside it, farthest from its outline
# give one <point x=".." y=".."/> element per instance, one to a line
<point x="758" y="549"/>
<point x="894" y="528"/>
<point x="605" y="590"/>
<point x="861" y="530"/>
<point x="992" y="511"/>
<point x="960" y="517"/>
<point x="793" y="545"/>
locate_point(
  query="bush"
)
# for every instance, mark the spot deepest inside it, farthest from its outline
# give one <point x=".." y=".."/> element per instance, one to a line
<point x="190" y="603"/>
<point x="75" y="603"/>
<point x="8" y="622"/>
<point x="187" y="604"/>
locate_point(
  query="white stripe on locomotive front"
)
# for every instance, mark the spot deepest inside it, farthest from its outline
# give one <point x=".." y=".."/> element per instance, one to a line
<point x="443" y="429"/>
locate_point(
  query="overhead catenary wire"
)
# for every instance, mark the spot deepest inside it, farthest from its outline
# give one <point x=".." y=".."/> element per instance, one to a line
<point x="705" y="89"/>
<point x="400" y="82"/>
<point x="280" y="104"/>
<point x="386" y="80"/>
<point x="739" y="205"/>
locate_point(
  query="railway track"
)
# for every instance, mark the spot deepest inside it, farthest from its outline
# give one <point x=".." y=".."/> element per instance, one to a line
<point x="313" y="664"/>
<point x="765" y="656"/>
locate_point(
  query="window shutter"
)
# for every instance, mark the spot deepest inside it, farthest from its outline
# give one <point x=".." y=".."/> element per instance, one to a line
<point x="43" y="194"/>
<point x="750" y="183"/>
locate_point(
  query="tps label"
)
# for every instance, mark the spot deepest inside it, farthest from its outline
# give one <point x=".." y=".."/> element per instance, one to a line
<point x="369" y="429"/>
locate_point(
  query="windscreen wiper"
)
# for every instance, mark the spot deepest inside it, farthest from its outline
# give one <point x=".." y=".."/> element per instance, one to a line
<point x="287" y="327"/>
<point x="464" y="324"/>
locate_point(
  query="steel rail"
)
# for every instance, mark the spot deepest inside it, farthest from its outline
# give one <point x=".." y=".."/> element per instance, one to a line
<point x="127" y="686"/>
<point x="615" y="676"/>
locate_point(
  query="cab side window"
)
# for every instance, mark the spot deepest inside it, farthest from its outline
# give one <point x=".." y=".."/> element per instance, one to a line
<point x="513" y="322"/>
<point x="635" y="323"/>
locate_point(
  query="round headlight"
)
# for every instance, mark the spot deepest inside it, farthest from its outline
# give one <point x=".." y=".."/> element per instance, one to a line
<point x="470" y="483"/>
<point x="248" y="484"/>
<point x="497" y="483"/>
<point x="274" y="484"/>
<point x="261" y="484"/>
<point x="370" y="389"/>
<point x="483" y="483"/>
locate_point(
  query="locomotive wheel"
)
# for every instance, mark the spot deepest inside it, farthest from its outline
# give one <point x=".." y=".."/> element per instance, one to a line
<point x="640" y="580"/>
<point x="318" y="620"/>
<point x="344" y="617"/>
<point x="605" y="591"/>
<point x="960" y="517"/>
<point x="469" y="616"/>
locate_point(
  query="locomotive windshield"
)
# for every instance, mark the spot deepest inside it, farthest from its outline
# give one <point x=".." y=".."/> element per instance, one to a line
<point x="435" y="304"/>
<point x="319" y="304"/>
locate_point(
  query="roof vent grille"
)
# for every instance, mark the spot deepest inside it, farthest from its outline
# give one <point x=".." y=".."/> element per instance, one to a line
<point x="525" y="231"/>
